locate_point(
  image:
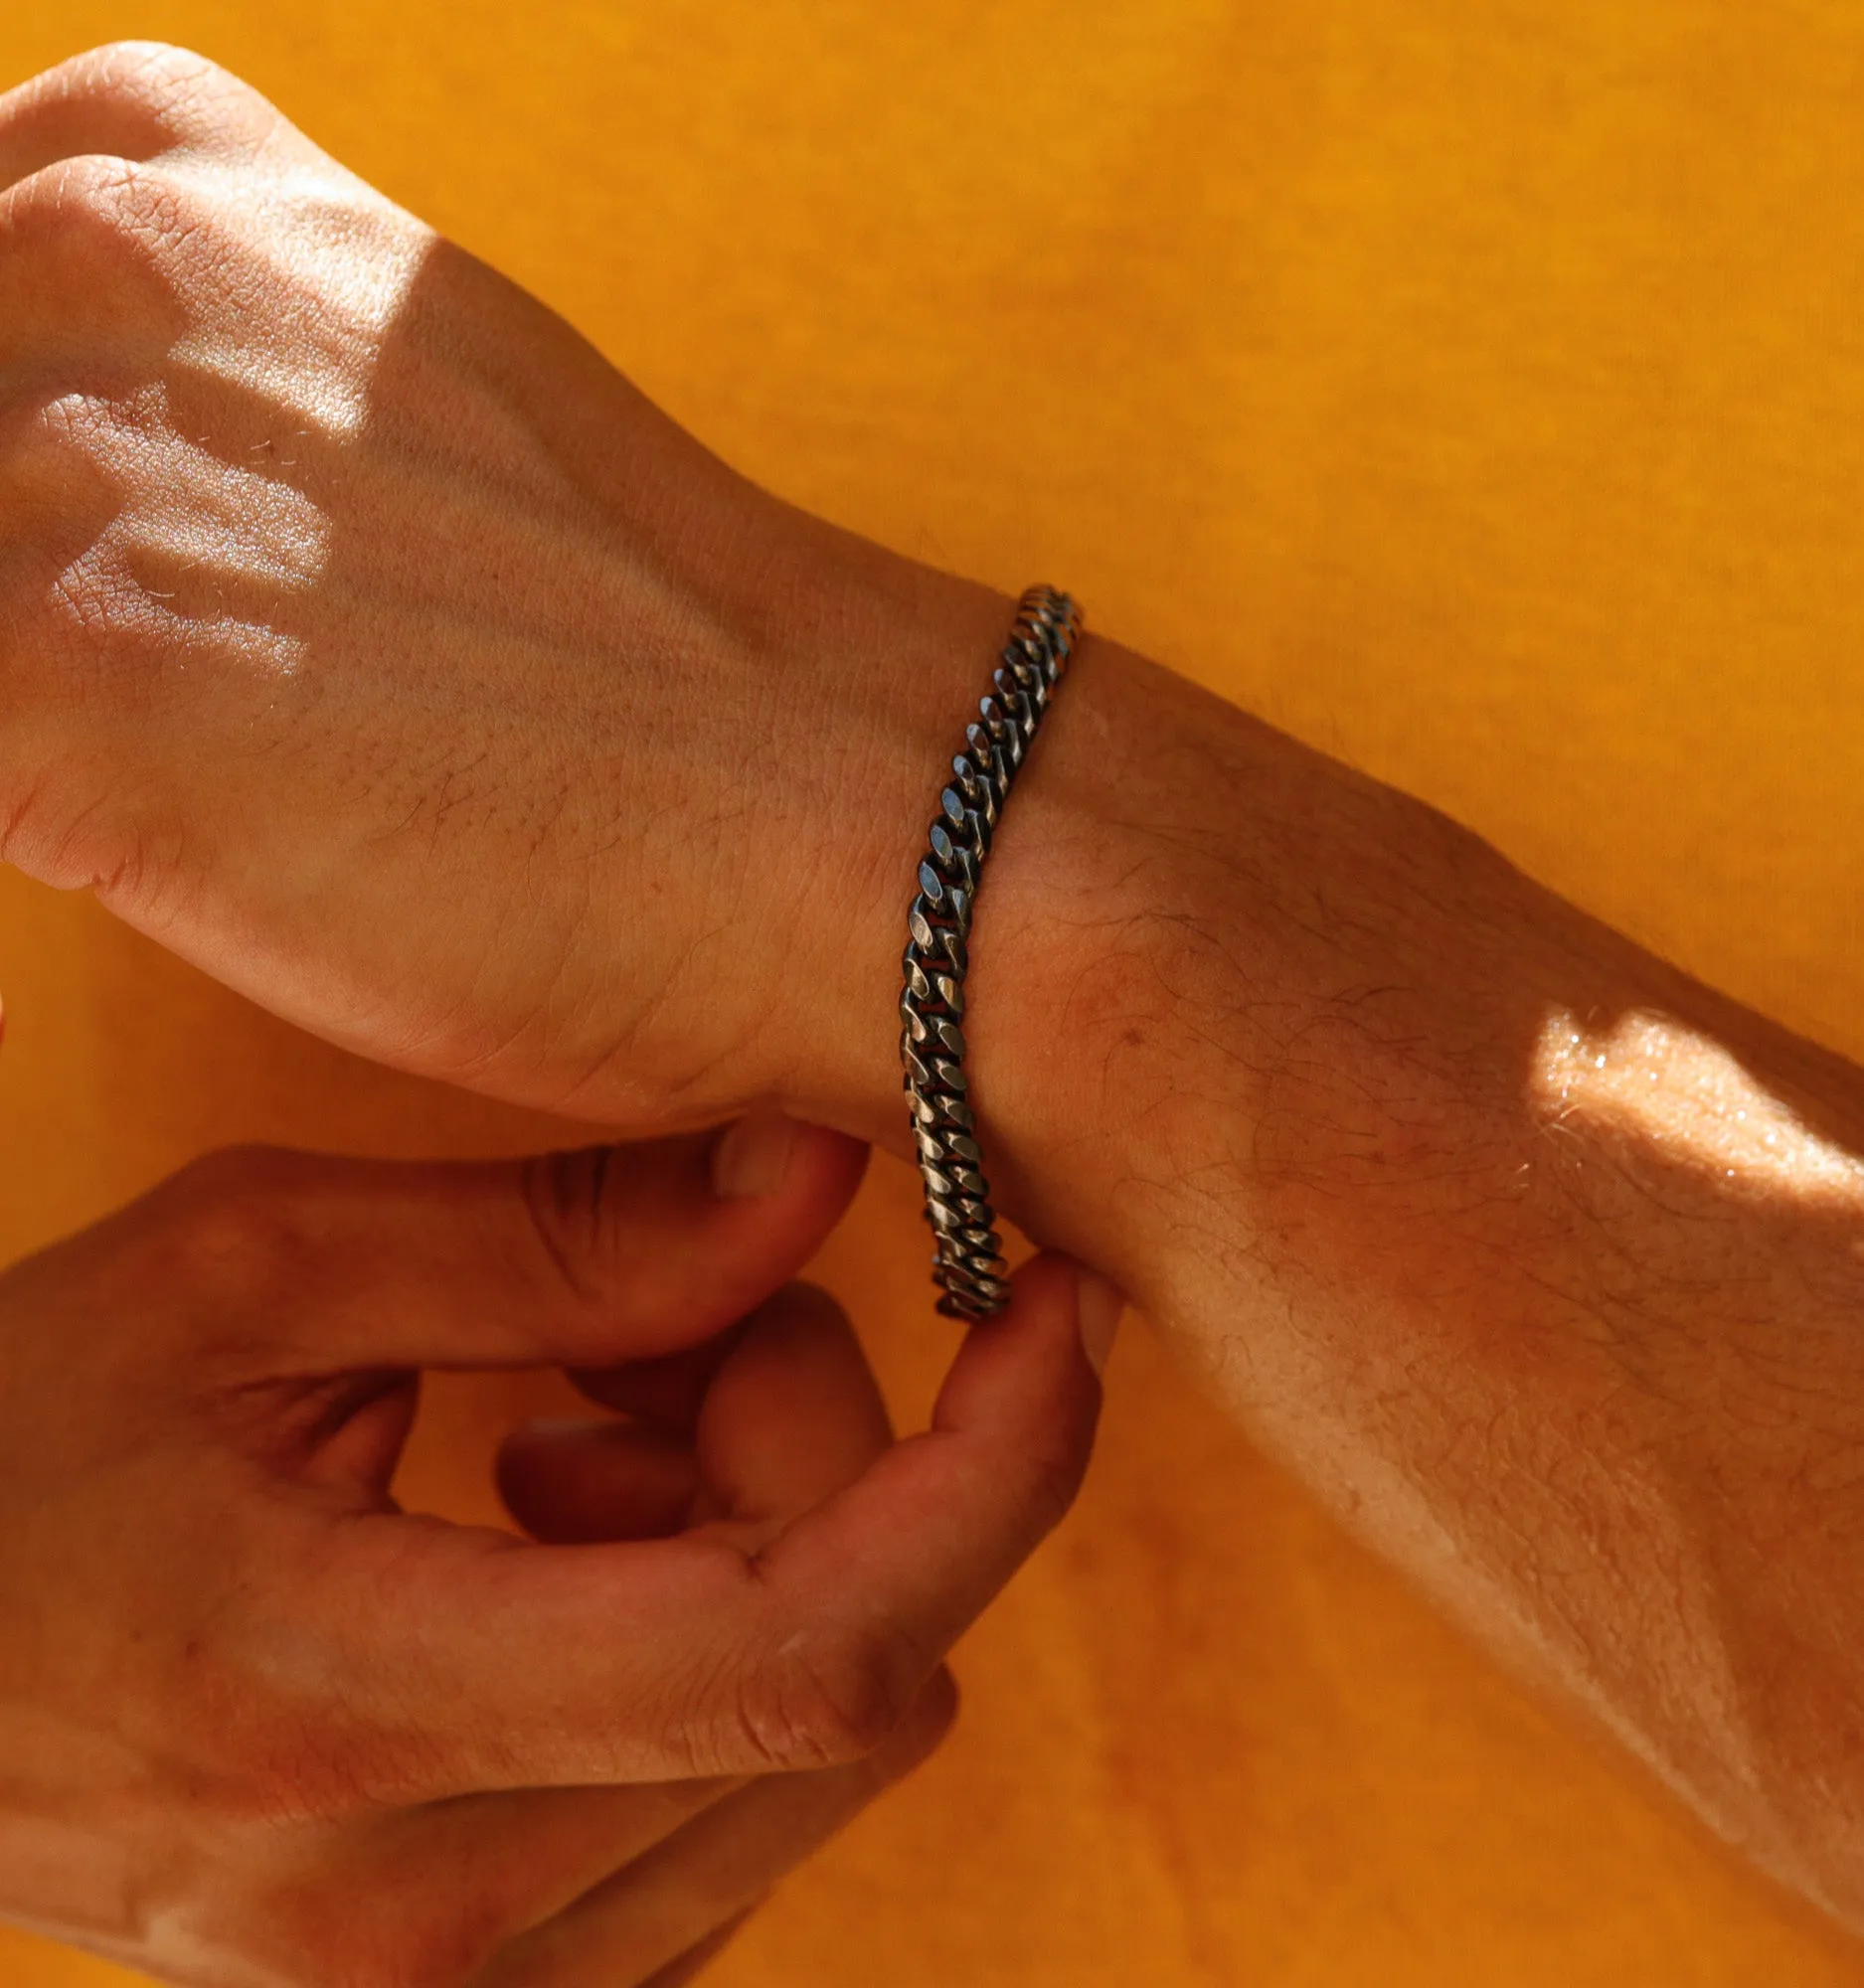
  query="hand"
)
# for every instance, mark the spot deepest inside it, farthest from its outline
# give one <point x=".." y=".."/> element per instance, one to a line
<point x="367" y="638"/>
<point x="258" y="1726"/>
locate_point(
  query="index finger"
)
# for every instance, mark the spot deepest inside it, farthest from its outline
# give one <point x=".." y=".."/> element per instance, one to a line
<point x="478" y="1661"/>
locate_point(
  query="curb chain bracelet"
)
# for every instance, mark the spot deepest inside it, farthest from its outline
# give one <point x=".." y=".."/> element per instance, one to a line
<point x="967" y="1261"/>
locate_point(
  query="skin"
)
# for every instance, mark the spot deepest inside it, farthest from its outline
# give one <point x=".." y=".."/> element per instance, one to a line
<point x="371" y="642"/>
<point x="258" y="1726"/>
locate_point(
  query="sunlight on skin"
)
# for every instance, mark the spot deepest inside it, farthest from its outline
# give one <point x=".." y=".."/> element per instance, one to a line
<point x="353" y="252"/>
<point x="196" y="561"/>
<point x="230" y="528"/>
<point x="1687" y="1098"/>
<point x="1726" y="1504"/>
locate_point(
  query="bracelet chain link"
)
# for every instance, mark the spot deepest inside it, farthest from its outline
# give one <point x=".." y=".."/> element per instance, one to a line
<point x="967" y="1261"/>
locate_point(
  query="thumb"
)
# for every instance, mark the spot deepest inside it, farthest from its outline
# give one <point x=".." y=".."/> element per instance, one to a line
<point x="572" y="1258"/>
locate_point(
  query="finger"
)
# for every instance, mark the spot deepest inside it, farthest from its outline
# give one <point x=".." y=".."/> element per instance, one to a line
<point x="580" y="1483"/>
<point x="805" y="1344"/>
<point x="681" y="1901"/>
<point x="476" y="1661"/>
<point x="569" y="1259"/>
<point x="131" y="100"/>
<point x="792" y="1414"/>
<point x="667" y="1392"/>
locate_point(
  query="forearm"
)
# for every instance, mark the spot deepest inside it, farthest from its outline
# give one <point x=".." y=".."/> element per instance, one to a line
<point x="1537" y="1259"/>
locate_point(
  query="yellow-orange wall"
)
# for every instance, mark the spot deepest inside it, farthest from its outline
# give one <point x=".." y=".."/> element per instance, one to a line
<point x="1479" y="391"/>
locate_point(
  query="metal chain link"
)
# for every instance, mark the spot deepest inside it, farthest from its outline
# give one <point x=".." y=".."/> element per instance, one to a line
<point x="968" y="1261"/>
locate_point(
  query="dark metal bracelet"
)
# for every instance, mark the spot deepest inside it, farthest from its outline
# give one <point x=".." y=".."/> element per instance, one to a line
<point x="968" y="1261"/>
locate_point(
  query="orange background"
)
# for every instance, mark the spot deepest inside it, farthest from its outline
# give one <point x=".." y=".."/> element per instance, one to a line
<point x="1475" y="390"/>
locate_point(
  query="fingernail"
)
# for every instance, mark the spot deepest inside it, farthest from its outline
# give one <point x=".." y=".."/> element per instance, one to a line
<point x="751" y="1158"/>
<point x="1097" y="1307"/>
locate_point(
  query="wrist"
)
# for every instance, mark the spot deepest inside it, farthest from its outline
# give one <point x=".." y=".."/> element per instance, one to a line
<point x="1104" y="996"/>
<point x="880" y="663"/>
<point x="896" y="656"/>
<point x="1101" y="986"/>
<point x="740" y="942"/>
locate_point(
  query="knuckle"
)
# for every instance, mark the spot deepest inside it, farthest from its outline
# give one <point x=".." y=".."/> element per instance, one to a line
<point x="70" y="202"/>
<point x="825" y="1699"/>
<point x="1053" y="1481"/>
<point x="570" y="1201"/>
<point x="153" y="75"/>
<point x="58" y="457"/>
<point x="103" y="217"/>
<point x="234" y="1209"/>
<point x="145" y="213"/>
<point x="163" y="71"/>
